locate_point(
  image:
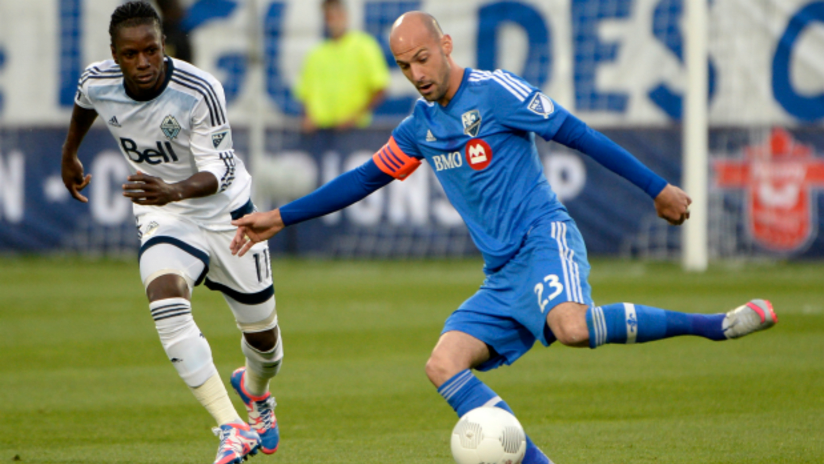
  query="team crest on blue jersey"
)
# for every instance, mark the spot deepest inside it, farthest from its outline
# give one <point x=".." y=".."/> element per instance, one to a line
<point x="217" y="139"/>
<point x="170" y="127"/>
<point x="471" y="122"/>
<point x="541" y="104"/>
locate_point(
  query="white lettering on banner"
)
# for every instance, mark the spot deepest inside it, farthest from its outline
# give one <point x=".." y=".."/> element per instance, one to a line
<point x="108" y="205"/>
<point x="442" y="210"/>
<point x="329" y="170"/>
<point x="419" y="200"/>
<point x="409" y="200"/>
<point x="566" y="174"/>
<point x="12" y="180"/>
<point x="367" y="212"/>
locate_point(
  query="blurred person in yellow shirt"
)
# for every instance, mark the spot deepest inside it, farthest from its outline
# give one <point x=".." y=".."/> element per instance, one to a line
<point x="344" y="78"/>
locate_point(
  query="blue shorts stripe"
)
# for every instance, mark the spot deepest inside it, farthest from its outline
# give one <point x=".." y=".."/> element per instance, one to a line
<point x="244" y="298"/>
<point x="199" y="254"/>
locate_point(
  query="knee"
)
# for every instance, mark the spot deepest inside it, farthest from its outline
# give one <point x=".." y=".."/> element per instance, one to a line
<point x="167" y="286"/>
<point x="568" y="323"/>
<point x="440" y="368"/>
<point x="262" y="341"/>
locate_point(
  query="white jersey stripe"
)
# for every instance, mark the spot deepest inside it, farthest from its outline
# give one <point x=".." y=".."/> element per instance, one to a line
<point x="508" y="87"/>
<point x="520" y="88"/>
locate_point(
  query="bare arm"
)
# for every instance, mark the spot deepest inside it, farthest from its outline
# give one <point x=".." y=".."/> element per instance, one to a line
<point x="149" y="190"/>
<point x="71" y="167"/>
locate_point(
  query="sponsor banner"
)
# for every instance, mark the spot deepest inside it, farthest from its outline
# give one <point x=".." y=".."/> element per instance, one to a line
<point x="766" y="195"/>
<point x="611" y="62"/>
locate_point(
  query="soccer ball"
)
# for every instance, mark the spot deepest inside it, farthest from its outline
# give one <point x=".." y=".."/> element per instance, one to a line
<point x="488" y="435"/>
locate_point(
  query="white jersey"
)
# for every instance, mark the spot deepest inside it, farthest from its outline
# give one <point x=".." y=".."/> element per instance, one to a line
<point x="180" y="132"/>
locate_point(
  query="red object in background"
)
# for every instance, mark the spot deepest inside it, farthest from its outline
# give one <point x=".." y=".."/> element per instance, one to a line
<point x="779" y="177"/>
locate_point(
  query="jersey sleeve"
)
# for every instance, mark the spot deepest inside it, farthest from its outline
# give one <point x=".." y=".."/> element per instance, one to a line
<point x="520" y="106"/>
<point x="399" y="157"/>
<point x="81" y="98"/>
<point x="211" y="137"/>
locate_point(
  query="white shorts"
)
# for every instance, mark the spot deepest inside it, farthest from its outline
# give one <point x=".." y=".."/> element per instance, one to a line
<point x="245" y="281"/>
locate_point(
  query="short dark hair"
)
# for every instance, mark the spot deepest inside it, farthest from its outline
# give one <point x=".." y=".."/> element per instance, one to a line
<point x="332" y="3"/>
<point x="133" y="14"/>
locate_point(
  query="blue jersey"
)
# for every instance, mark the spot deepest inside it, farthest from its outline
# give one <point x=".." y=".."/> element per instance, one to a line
<point x="482" y="149"/>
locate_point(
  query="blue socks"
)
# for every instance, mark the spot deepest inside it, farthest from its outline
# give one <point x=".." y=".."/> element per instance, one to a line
<point x="464" y="392"/>
<point x="630" y="323"/>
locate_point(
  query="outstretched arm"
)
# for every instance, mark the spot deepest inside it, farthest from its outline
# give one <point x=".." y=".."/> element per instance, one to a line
<point x="71" y="167"/>
<point x="149" y="190"/>
<point x="339" y="193"/>
<point x="671" y="203"/>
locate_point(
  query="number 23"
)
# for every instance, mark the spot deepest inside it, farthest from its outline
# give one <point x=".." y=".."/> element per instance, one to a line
<point x="553" y="283"/>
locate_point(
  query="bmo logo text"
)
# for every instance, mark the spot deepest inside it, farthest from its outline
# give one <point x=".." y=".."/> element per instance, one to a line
<point x="478" y="154"/>
<point x="448" y="161"/>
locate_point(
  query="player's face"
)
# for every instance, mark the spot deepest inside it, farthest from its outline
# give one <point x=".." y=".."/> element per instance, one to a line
<point x="427" y="68"/>
<point x="139" y="52"/>
<point x="336" y="20"/>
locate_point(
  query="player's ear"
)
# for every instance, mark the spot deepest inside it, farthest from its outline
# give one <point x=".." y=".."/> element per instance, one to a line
<point x="446" y="44"/>
<point x="114" y="53"/>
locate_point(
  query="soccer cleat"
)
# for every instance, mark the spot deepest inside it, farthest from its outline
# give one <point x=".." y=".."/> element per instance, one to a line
<point x="261" y="413"/>
<point x="751" y="317"/>
<point x="237" y="442"/>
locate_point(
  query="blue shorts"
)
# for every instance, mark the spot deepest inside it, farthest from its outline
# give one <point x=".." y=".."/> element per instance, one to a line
<point x="509" y="311"/>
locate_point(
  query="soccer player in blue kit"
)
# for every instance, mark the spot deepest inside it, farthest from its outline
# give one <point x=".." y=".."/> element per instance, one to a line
<point x="476" y="130"/>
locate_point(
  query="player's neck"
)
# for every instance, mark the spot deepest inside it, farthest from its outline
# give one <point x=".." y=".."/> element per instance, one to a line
<point x="455" y="80"/>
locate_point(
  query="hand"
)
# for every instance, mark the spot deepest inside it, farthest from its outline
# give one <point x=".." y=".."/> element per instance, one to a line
<point x="149" y="190"/>
<point x="254" y="228"/>
<point x="348" y="124"/>
<point x="673" y="204"/>
<point x="307" y="126"/>
<point x="72" y="173"/>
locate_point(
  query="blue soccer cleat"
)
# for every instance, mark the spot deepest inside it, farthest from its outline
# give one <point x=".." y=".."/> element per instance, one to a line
<point x="261" y="413"/>
<point x="237" y="442"/>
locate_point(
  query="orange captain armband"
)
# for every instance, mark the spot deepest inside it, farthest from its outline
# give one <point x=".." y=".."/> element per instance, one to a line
<point x="393" y="161"/>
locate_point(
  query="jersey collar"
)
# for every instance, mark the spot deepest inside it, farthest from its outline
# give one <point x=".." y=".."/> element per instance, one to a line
<point x="170" y="68"/>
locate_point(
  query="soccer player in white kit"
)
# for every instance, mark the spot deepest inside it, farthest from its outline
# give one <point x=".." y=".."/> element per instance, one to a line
<point x="169" y="119"/>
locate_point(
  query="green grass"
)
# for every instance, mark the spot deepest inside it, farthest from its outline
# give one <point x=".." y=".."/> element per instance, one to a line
<point x="83" y="377"/>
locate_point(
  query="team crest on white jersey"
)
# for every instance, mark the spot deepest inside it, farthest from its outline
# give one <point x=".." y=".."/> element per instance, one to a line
<point x="471" y="122"/>
<point x="217" y="139"/>
<point x="170" y="127"/>
<point x="541" y="104"/>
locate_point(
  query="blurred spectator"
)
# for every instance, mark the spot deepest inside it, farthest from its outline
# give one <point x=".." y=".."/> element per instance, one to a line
<point x="344" y="78"/>
<point x="177" y="39"/>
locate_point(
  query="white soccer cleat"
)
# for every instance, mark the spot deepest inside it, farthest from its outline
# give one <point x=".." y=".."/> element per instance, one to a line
<point x="751" y="317"/>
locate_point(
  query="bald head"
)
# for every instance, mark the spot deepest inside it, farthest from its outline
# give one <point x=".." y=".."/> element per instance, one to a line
<point x="412" y="29"/>
<point x="424" y="54"/>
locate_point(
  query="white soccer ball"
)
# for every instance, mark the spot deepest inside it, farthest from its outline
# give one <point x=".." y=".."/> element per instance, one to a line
<point x="488" y="435"/>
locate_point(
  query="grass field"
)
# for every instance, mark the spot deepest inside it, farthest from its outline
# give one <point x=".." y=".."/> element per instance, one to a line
<point x="83" y="377"/>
